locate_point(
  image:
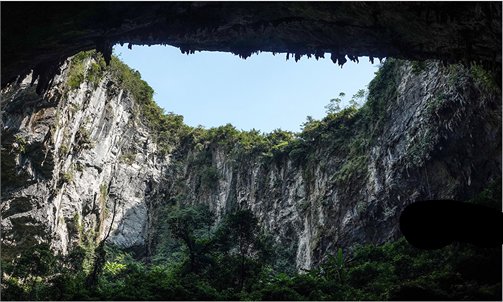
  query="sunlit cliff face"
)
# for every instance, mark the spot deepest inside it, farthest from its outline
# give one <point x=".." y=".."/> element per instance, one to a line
<point x="87" y="155"/>
<point x="451" y="32"/>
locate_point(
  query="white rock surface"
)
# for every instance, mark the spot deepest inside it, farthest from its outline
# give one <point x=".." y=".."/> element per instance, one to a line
<point x="456" y="156"/>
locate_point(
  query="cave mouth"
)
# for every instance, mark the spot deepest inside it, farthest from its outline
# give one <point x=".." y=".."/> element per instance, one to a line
<point x="453" y="32"/>
<point x="265" y="92"/>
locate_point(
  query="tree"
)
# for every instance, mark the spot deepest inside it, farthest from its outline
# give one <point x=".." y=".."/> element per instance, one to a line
<point x="193" y="225"/>
<point x="336" y="265"/>
<point x="28" y="272"/>
<point x="244" y="234"/>
<point x="334" y="105"/>
<point x="358" y="99"/>
<point x="38" y="274"/>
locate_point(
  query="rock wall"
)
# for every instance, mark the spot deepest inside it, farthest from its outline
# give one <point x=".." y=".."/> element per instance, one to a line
<point x="70" y="160"/>
<point x="441" y="139"/>
<point x="80" y="166"/>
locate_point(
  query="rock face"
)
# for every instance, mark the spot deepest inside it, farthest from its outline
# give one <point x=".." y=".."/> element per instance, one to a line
<point x="441" y="139"/>
<point x="80" y="164"/>
<point x="72" y="164"/>
<point x="460" y="31"/>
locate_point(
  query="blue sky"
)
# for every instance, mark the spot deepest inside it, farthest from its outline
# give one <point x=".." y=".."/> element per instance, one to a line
<point x="264" y="92"/>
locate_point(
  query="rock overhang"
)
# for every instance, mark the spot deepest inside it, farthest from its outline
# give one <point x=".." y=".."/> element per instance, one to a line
<point x="449" y="31"/>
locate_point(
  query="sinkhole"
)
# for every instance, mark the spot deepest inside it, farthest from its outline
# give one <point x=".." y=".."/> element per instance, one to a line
<point x="264" y="92"/>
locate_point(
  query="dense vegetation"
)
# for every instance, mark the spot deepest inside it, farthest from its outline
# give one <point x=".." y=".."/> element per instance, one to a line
<point x="337" y="129"/>
<point x="200" y="258"/>
<point x="348" y="131"/>
<point x="235" y="260"/>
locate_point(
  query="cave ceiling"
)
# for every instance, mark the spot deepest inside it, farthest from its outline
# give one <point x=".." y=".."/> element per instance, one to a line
<point x="40" y="35"/>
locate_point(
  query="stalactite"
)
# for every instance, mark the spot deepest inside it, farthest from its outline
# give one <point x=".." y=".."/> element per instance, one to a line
<point x="297" y="57"/>
<point x="353" y="58"/>
<point x="333" y="57"/>
<point x="342" y="60"/>
<point x="278" y="27"/>
<point x="319" y="54"/>
<point x="106" y="48"/>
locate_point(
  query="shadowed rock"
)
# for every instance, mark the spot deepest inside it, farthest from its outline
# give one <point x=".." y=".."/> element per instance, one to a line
<point x="40" y="36"/>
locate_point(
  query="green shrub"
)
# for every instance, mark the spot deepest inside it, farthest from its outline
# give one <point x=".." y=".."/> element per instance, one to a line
<point x="457" y="75"/>
<point x="21" y="143"/>
<point x="75" y="108"/>
<point x="83" y="138"/>
<point x="209" y="177"/>
<point x="305" y="205"/>
<point x="484" y="79"/>
<point x="128" y="158"/>
<point x="76" y="76"/>
<point x="418" y="67"/>
<point x="63" y="149"/>
<point x="78" y="73"/>
<point x="67" y="177"/>
<point x="103" y="195"/>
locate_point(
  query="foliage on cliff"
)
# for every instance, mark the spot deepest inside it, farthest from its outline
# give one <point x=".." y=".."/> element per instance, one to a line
<point x="348" y="132"/>
<point x="200" y="258"/>
<point x="170" y="131"/>
<point x="167" y="128"/>
<point x="234" y="261"/>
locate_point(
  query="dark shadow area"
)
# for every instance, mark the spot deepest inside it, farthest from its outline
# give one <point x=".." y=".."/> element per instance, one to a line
<point x="433" y="224"/>
<point x="39" y="36"/>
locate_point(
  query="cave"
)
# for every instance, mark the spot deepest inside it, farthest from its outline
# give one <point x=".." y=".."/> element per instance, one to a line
<point x="40" y="36"/>
<point x="89" y="161"/>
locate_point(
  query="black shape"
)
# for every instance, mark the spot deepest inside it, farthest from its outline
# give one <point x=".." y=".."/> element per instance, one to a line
<point x="434" y="224"/>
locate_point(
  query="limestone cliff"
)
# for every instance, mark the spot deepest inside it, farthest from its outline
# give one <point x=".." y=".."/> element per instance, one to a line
<point x="73" y="159"/>
<point x="439" y="137"/>
<point x="80" y="164"/>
